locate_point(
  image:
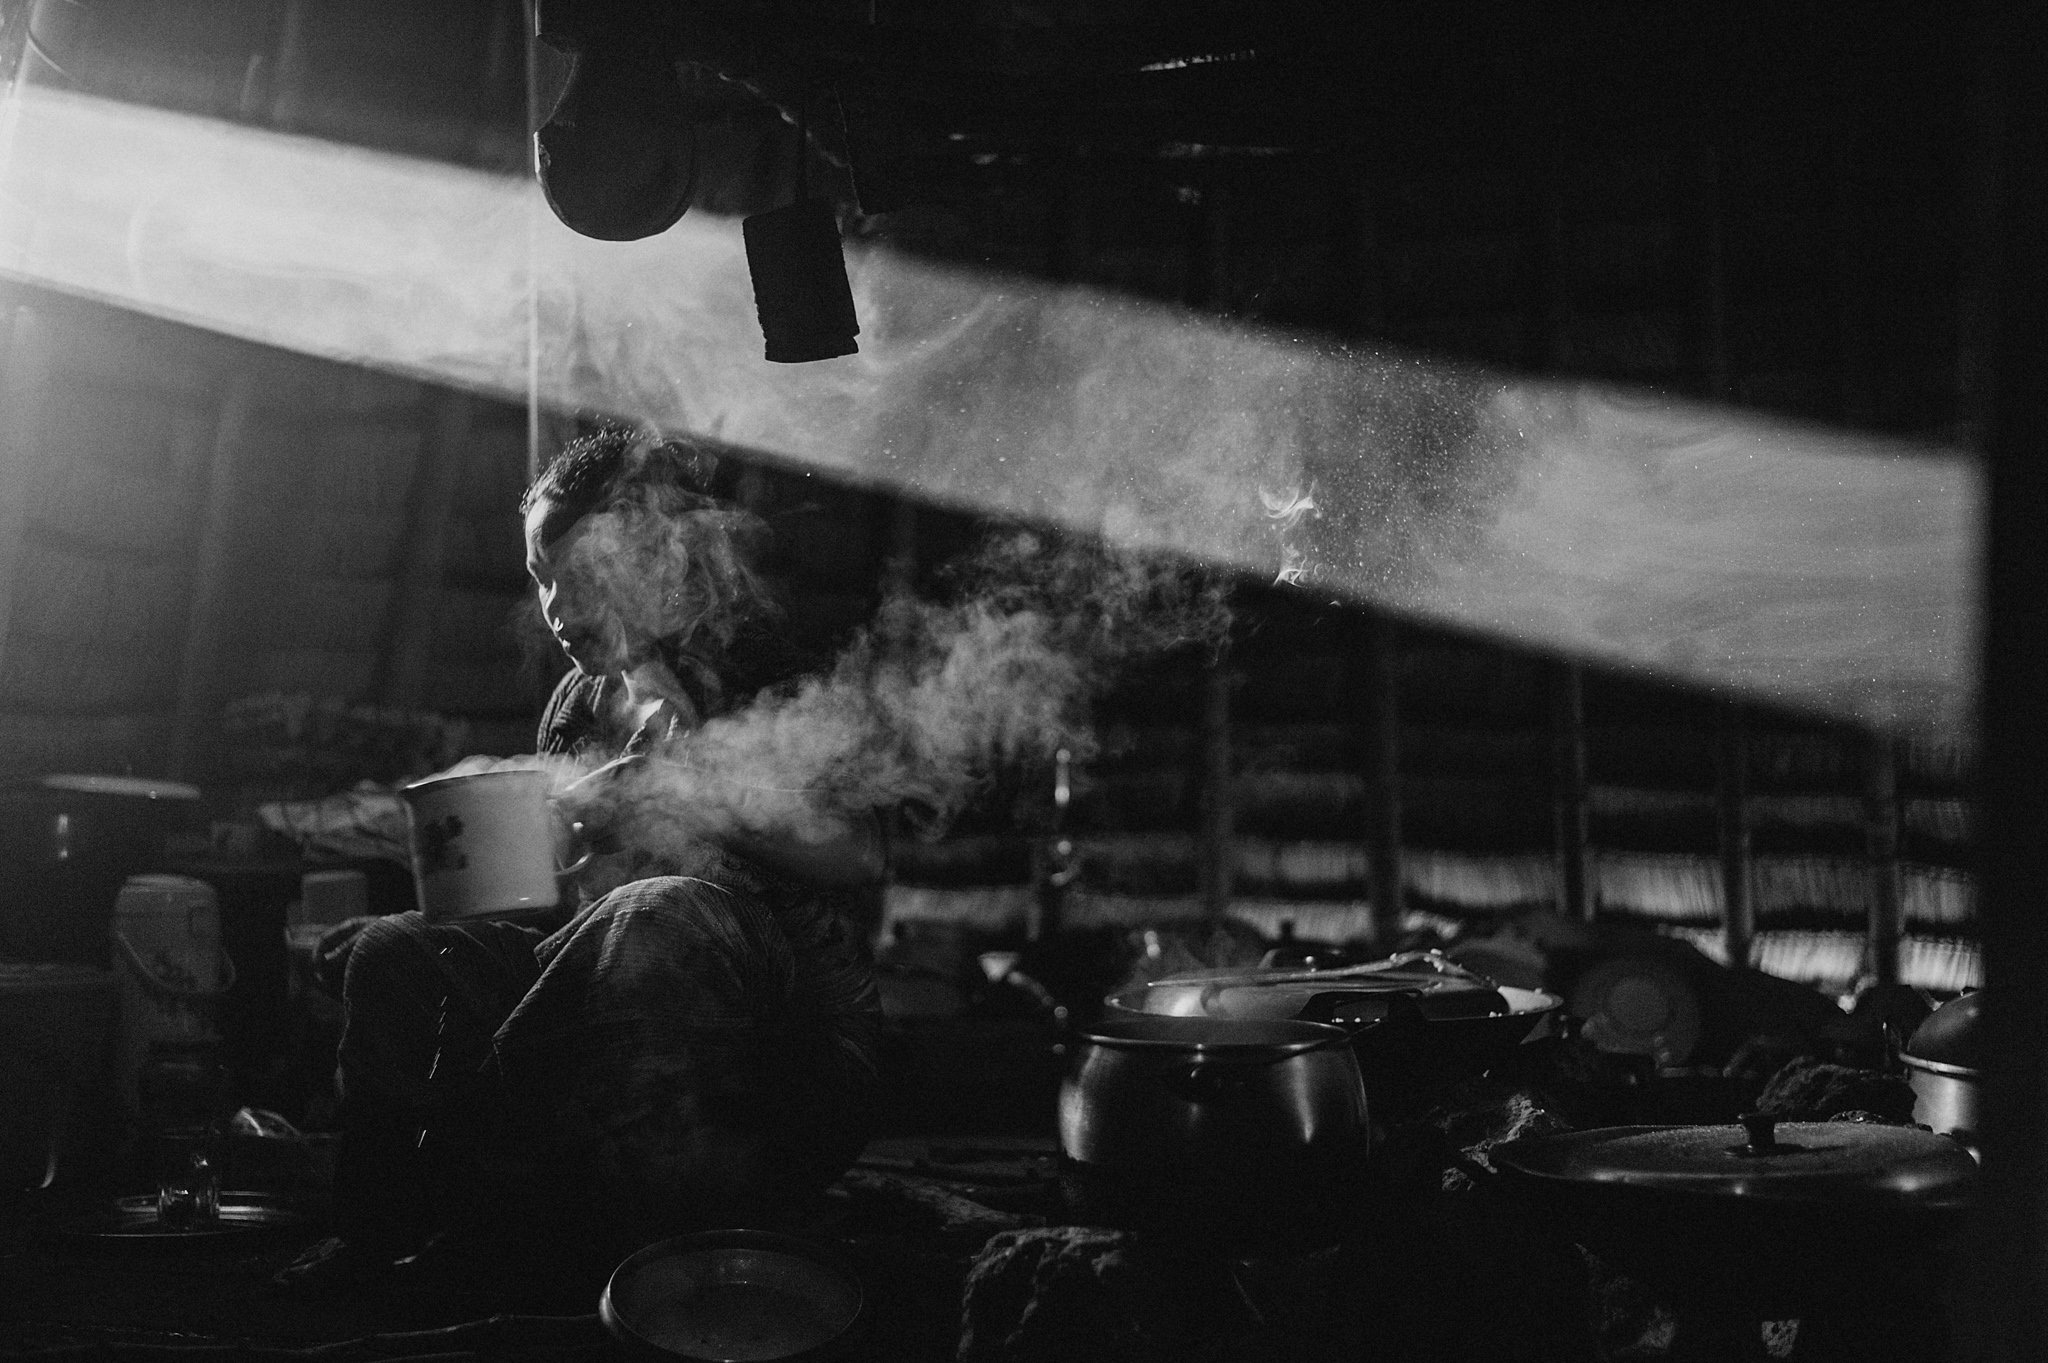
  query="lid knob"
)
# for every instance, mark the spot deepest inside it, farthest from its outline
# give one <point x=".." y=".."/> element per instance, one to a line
<point x="1763" y="1131"/>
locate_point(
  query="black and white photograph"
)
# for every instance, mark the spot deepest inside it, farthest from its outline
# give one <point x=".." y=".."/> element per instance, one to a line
<point x="1023" y="681"/>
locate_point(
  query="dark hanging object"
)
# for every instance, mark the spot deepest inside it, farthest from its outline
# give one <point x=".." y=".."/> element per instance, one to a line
<point x="800" y="287"/>
<point x="616" y="156"/>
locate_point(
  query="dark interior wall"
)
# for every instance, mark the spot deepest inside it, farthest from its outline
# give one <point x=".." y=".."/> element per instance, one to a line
<point x="200" y="520"/>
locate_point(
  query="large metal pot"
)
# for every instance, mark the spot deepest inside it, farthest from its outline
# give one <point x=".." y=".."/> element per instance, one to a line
<point x="1945" y="1061"/>
<point x="67" y="844"/>
<point x="1241" y="1134"/>
<point x="1417" y="1020"/>
<point x="1782" y="1216"/>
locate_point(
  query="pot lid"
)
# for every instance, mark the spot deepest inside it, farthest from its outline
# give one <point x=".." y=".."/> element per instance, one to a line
<point x="1439" y="987"/>
<point x="1952" y="1036"/>
<point x="129" y="787"/>
<point x="1759" y="1159"/>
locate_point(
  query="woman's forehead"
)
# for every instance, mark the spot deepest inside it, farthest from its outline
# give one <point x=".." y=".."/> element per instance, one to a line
<point x="531" y="524"/>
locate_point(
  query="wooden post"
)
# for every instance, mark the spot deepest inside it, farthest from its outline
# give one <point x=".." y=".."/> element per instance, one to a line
<point x="287" y="95"/>
<point x="24" y="385"/>
<point x="2002" y="1278"/>
<point x="1852" y="361"/>
<point x="1715" y="380"/>
<point x="213" y="552"/>
<point x="1738" y="898"/>
<point x="1881" y="841"/>
<point x="1383" y="778"/>
<point x="1067" y="225"/>
<point x="1546" y="345"/>
<point x="1359" y="263"/>
<point x="1576" y="898"/>
<point x="1980" y="266"/>
<point x="899" y="569"/>
<point x="1217" y="856"/>
<point x="1207" y="283"/>
<point x="411" y="616"/>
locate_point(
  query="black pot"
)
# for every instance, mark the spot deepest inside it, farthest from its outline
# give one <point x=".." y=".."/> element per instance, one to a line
<point x="1417" y="1022"/>
<point x="1238" y="1135"/>
<point x="1782" y="1218"/>
<point x="67" y="844"/>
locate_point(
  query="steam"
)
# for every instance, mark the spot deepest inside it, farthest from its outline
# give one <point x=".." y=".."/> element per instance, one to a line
<point x="1285" y="510"/>
<point x="930" y="703"/>
<point x="680" y="573"/>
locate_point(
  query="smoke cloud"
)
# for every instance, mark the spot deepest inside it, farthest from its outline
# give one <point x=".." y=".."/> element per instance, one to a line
<point x="931" y="702"/>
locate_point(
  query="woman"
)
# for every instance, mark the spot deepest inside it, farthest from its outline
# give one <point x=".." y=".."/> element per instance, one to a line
<point x="676" y="1051"/>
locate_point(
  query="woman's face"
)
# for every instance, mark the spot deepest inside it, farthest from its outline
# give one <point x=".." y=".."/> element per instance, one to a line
<point x="569" y="599"/>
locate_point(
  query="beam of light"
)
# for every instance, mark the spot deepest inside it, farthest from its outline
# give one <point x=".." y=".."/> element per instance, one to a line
<point x="1783" y="563"/>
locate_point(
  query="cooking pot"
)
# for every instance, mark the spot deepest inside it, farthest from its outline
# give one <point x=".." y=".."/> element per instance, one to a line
<point x="68" y="844"/>
<point x="1237" y="1134"/>
<point x="1946" y="1060"/>
<point x="484" y="844"/>
<point x="1417" y="1020"/>
<point x="1774" y="1216"/>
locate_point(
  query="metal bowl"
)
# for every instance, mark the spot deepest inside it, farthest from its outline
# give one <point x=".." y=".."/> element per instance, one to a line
<point x="733" y="1296"/>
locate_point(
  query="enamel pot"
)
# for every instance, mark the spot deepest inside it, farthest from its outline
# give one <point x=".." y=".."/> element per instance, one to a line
<point x="1235" y="1134"/>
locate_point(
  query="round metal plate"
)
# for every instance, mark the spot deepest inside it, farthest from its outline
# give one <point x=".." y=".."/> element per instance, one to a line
<point x="737" y="1296"/>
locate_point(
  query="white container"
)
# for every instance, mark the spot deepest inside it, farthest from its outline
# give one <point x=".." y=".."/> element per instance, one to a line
<point x="483" y="844"/>
<point x="173" y="972"/>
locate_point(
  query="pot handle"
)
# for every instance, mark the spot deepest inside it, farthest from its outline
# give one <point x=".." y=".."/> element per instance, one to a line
<point x="576" y="837"/>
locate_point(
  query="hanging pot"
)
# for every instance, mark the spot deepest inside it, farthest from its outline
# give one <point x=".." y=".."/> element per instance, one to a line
<point x="1236" y="1133"/>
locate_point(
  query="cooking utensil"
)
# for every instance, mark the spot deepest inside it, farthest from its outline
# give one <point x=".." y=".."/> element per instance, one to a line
<point x="1775" y="1216"/>
<point x="1417" y="1021"/>
<point x="1362" y="993"/>
<point x="240" y="1221"/>
<point x="733" y="1296"/>
<point x="1237" y="1132"/>
<point x="484" y="844"/>
<point x="69" y="842"/>
<point x="1946" y="1061"/>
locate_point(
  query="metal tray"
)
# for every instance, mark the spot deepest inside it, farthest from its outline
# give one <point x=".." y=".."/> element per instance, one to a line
<point x="130" y="1223"/>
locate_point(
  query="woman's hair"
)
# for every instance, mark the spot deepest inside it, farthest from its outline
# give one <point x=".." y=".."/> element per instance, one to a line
<point x="668" y="557"/>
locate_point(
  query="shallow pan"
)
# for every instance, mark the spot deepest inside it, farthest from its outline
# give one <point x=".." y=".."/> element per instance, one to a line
<point x="733" y="1296"/>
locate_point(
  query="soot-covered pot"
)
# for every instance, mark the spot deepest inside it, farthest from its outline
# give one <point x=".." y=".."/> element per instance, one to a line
<point x="1777" y="1216"/>
<point x="1235" y="1134"/>
<point x="1417" y="1021"/>
<point x="1946" y="1061"/>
